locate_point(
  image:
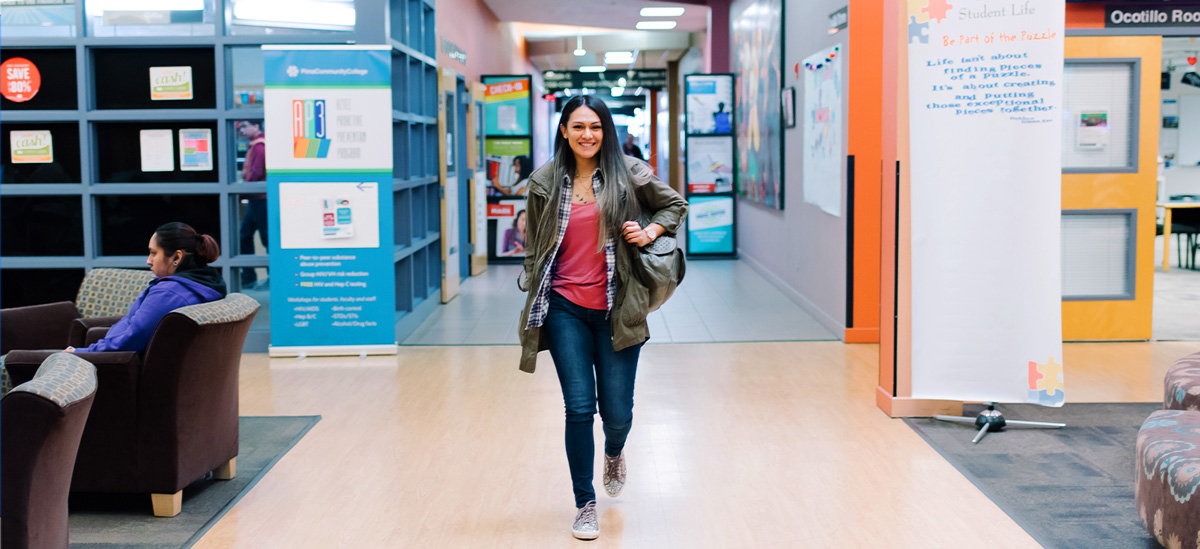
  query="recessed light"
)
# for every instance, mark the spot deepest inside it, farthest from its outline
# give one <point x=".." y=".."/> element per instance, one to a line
<point x="592" y="68"/>
<point x="661" y="12"/>
<point x="655" y="25"/>
<point x="580" y="52"/>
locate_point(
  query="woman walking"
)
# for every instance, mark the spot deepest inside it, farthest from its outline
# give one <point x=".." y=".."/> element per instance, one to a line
<point x="584" y="305"/>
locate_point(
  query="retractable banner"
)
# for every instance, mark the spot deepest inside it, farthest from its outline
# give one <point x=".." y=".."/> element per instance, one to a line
<point x="328" y="116"/>
<point x="985" y="107"/>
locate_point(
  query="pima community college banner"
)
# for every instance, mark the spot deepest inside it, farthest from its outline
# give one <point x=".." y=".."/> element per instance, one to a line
<point x="985" y="96"/>
<point x="328" y="113"/>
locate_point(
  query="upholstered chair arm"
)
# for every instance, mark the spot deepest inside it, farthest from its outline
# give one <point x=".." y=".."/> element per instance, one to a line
<point x="83" y="330"/>
<point x="36" y="326"/>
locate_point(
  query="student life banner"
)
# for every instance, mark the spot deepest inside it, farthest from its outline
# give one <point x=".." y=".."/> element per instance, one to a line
<point x="328" y="129"/>
<point x="985" y="102"/>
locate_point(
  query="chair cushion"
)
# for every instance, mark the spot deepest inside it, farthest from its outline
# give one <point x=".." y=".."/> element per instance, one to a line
<point x="62" y="379"/>
<point x="1167" y="477"/>
<point x="110" y="292"/>
<point x="1182" y="384"/>
<point x="232" y="308"/>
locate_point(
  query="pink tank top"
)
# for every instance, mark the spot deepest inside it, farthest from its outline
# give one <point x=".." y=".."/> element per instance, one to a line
<point x="580" y="272"/>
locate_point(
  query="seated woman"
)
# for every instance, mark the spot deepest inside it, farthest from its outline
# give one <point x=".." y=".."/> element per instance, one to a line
<point x="179" y="259"/>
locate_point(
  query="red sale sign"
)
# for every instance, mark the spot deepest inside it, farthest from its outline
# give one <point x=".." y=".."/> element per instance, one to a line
<point x="20" y="79"/>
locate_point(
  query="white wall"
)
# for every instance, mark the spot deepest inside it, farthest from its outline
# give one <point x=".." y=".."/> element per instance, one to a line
<point x="801" y="248"/>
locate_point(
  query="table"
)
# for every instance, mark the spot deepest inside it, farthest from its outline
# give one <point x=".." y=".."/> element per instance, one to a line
<point x="1168" y="206"/>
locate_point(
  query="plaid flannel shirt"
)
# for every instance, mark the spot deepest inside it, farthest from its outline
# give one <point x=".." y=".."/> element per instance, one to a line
<point x="541" y="303"/>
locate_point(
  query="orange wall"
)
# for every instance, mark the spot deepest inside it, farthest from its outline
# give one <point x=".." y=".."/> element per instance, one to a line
<point x="1088" y="15"/>
<point x="865" y="143"/>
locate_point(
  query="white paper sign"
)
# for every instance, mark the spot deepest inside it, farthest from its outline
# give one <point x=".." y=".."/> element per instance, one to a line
<point x="158" y="151"/>
<point x="985" y="108"/>
<point x="31" y="147"/>
<point x="822" y="163"/>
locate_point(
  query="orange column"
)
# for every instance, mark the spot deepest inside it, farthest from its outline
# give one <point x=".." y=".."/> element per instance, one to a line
<point x="864" y="143"/>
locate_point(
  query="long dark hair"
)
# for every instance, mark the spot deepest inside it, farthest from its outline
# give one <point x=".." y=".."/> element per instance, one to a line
<point x="614" y="201"/>
<point x="198" y="249"/>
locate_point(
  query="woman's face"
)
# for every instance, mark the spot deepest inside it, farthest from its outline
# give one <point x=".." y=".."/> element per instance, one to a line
<point x="521" y="222"/>
<point x="161" y="264"/>
<point x="583" y="132"/>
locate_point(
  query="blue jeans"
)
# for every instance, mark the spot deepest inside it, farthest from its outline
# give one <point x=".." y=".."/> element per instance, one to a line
<point x="591" y="373"/>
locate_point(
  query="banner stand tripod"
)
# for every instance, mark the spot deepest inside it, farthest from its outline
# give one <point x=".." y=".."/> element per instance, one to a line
<point x="992" y="420"/>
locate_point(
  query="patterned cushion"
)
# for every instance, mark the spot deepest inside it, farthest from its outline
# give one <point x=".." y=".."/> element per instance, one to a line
<point x="233" y="308"/>
<point x="63" y="378"/>
<point x="1167" y="477"/>
<point x="1182" y="384"/>
<point x="110" y="292"/>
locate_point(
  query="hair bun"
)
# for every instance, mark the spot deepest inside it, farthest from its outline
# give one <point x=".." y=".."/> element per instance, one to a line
<point x="207" y="249"/>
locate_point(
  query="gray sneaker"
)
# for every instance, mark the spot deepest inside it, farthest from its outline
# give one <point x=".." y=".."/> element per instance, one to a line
<point x="587" y="523"/>
<point x="614" y="474"/>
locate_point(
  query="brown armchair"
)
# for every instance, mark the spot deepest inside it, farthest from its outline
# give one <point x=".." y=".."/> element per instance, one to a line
<point x="104" y="297"/>
<point x="42" y="423"/>
<point x="166" y="419"/>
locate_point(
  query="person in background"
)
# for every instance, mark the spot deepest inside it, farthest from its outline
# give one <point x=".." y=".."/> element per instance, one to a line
<point x="584" y="304"/>
<point x="631" y="149"/>
<point x="721" y="120"/>
<point x="514" y="238"/>
<point x="522" y="166"/>
<point x="179" y="259"/>
<point x="255" y="219"/>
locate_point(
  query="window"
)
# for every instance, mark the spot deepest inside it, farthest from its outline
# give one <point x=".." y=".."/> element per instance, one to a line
<point x="57" y="157"/>
<point x="22" y="287"/>
<point x="41" y="226"/>
<point x="124" y="78"/>
<point x="1100" y="116"/>
<point x="127" y="221"/>
<point x="149" y="17"/>
<point x="56" y="67"/>
<point x="291" y="16"/>
<point x="155" y="152"/>
<point x="1098" y="254"/>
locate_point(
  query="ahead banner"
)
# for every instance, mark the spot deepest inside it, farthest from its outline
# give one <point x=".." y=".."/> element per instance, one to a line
<point x="985" y="102"/>
<point x="329" y="190"/>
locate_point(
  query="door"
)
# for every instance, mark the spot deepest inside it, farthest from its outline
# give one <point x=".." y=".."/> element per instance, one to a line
<point x="1110" y="146"/>
<point x="448" y="123"/>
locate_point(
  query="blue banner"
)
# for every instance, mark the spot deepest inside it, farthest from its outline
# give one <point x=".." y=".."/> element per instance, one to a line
<point x="710" y="225"/>
<point x="329" y="190"/>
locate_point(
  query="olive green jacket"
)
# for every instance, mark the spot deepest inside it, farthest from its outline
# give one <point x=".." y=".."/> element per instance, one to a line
<point x="631" y="301"/>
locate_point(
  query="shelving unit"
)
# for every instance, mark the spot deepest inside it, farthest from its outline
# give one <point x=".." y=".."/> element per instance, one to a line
<point x="95" y="208"/>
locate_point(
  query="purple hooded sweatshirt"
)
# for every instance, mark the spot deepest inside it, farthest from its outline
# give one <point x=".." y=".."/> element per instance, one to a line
<point x="133" y="331"/>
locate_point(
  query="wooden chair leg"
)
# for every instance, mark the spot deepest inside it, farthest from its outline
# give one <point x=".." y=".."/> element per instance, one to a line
<point x="167" y="505"/>
<point x="227" y="471"/>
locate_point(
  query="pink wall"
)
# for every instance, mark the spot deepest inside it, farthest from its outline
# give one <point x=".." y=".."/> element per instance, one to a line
<point x="470" y="25"/>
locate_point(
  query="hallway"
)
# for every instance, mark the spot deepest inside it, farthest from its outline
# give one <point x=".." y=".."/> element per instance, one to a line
<point x="719" y="301"/>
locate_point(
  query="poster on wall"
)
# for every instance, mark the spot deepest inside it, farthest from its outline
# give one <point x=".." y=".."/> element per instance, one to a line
<point x="823" y="122"/>
<point x="709" y="164"/>
<point x="170" y="83"/>
<point x="506" y="105"/>
<point x="157" y="150"/>
<point x="757" y="43"/>
<point x="710" y="225"/>
<point x="509" y="219"/>
<point x="508" y="164"/>
<point x="195" y="150"/>
<point x="31" y="147"/>
<point x="330" y="199"/>
<point x="20" y="79"/>
<point x="986" y="302"/>
<point x="709" y="103"/>
<point x="1092" y="130"/>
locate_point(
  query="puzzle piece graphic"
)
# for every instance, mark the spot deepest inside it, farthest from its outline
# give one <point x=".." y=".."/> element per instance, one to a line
<point x="919" y="31"/>
<point x="1051" y="380"/>
<point x="915" y="9"/>
<point x="937" y="9"/>
<point x="1035" y="377"/>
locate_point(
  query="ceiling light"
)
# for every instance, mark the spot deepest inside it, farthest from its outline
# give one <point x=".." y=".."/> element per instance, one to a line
<point x="655" y="25"/>
<point x="579" y="51"/>
<point x="661" y="12"/>
<point x="617" y="91"/>
<point x="592" y="68"/>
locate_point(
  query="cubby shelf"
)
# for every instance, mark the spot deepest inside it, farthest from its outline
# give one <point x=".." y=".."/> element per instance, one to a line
<point x="58" y="219"/>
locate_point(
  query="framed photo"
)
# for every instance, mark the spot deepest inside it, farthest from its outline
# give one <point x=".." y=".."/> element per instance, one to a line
<point x="787" y="104"/>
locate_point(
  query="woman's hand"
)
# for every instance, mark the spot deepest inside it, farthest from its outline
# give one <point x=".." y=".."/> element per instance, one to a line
<point x="69" y="350"/>
<point x="636" y="235"/>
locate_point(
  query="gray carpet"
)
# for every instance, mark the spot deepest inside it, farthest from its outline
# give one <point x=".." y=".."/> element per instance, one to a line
<point x="126" y="521"/>
<point x="1069" y="488"/>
